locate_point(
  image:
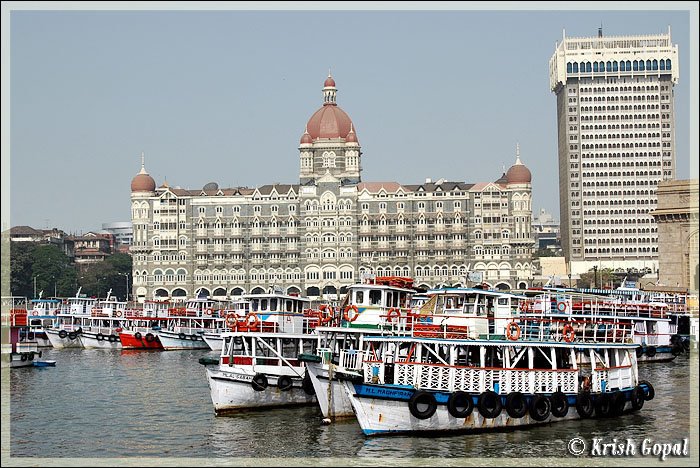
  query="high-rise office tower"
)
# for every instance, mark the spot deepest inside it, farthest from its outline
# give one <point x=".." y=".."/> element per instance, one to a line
<point x="615" y="121"/>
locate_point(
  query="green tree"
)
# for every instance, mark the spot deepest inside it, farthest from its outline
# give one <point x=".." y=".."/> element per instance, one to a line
<point x="21" y="259"/>
<point x="52" y="268"/>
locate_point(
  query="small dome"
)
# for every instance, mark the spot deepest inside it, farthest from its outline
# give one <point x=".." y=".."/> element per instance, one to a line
<point x="503" y="179"/>
<point x="352" y="136"/>
<point x="211" y="186"/>
<point x="143" y="182"/>
<point x="518" y="173"/>
<point x="306" y="138"/>
<point x="330" y="82"/>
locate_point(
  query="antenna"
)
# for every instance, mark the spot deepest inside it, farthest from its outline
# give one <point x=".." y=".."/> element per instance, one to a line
<point x="600" y="30"/>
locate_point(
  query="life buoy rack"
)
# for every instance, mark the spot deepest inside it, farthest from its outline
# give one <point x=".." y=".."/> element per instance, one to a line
<point x="512" y="331"/>
<point x="346" y="317"/>
<point x="392" y="314"/>
<point x="231" y="321"/>
<point x="254" y="324"/>
<point x="568" y="333"/>
<point x="562" y="306"/>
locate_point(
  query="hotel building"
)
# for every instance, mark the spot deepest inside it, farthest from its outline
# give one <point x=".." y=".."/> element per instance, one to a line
<point x="319" y="236"/>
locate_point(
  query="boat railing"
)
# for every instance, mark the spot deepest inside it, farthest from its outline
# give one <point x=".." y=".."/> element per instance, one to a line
<point x="350" y="359"/>
<point x="549" y="329"/>
<point x="435" y="376"/>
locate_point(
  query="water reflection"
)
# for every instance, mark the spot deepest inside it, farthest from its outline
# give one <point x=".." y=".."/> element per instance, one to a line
<point x="99" y="403"/>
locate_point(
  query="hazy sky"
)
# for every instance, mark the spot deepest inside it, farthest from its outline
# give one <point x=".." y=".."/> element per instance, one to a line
<point x="224" y="96"/>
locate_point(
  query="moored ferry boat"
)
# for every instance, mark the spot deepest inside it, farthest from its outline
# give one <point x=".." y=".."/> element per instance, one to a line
<point x="650" y="322"/>
<point x="259" y="370"/>
<point x="41" y="314"/>
<point x="186" y="325"/>
<point x="144" y="323"/>
<point x="419" y="384"/>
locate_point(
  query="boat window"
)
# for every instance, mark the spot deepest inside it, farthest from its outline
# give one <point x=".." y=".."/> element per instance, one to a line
<point x="254" y="305"/>
<point x="563" y="356"/>
<point x="309" y="346"/>
<point x="263" y="304"/>
<point x="273" y="304"/>
<point x="390" y="299"/>
<point x="359" y="297"/>
<point x="288" y="305"/>
<point x="375" y="297"/>
<point x="502" y="301"/>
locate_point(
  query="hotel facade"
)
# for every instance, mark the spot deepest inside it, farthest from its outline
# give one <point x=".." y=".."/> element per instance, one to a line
<point x="319" y="236"/>
<point x="616" y="142"/>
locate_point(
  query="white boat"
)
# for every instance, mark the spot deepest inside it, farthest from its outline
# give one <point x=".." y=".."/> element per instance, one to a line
<point x="649" y="320"/>
<point x="66" y="327"/>
<point x="273" y="312"/>
<point x="236" y="311"/>
<point x="186" y="325"/>
<point x="377" y="305"/>
<point x="12" y="355"/>
<point x="418" y="384"/>
<point x="259" y="370"/>
<point x="41" y="314"/>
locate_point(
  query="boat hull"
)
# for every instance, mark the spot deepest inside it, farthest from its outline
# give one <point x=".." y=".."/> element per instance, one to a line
<point x="174" y="341"/>
<point x="147" y="340"/>
<point x="390" y="414"/>
<point x="330" y="393"/>
<point x="101" y="340"/>
<point x="214" y="341"/>
<point x="232" y="391"/>
<point x="67" y="341"/>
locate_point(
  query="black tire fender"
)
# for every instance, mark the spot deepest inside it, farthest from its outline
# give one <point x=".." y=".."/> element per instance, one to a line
<point x="422" y="404"/>
<point x="516" y="406"/>
<point x="560" y="404"/>
<point x="460" y="404"/>
<point x="489" y="404"/>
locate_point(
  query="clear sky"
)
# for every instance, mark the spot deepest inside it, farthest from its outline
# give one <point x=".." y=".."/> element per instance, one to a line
<point x="224" y="95"/>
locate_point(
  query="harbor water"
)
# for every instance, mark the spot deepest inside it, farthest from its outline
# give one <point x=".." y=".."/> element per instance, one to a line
<point x="135" y="405"/>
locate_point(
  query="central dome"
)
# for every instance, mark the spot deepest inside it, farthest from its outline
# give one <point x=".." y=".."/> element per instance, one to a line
<point x="330" y="121"/>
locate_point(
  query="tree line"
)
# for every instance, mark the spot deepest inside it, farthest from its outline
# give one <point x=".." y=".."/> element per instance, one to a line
<point x="36" y="268"/>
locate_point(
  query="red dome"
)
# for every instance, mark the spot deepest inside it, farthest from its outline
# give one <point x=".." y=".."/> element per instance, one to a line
<point x="306" y="138"/>
<point x="143" y="182"/>
<point x="519" y="174"/>
<point x="330" y="121"/>
<point x="329" y="82"/>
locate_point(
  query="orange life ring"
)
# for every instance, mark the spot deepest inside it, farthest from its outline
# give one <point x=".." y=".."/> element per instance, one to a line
<point x="209" y="311"/>
<point x="393" y="313"/>
<point x="36" y="312"/>
<point x="569" y="333"/>
<point x="561" y="306"/>
<point x="252" y="326"/>
<point x="524" y="306"/>
<point x="512" y="331"/>
<point x="119" y="313"/>
<point x="231" y="320"/>
<point x="346" y="317"/>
